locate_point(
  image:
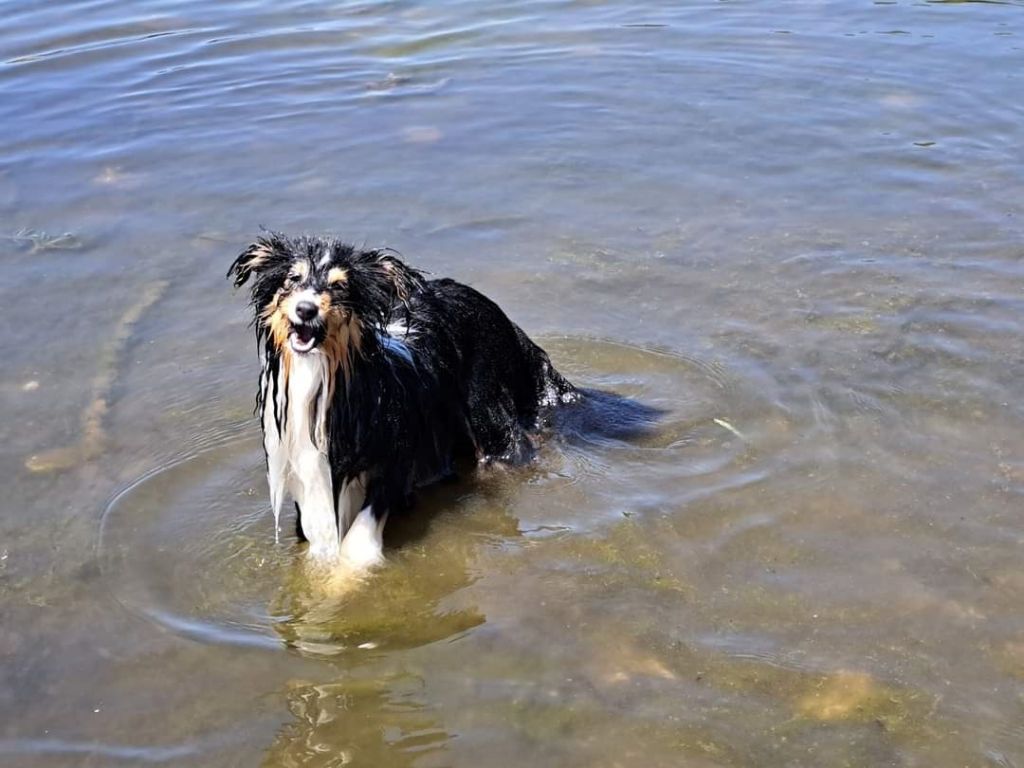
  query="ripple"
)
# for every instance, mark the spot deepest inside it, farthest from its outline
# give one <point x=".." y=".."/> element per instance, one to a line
<point x="191" y="547"/>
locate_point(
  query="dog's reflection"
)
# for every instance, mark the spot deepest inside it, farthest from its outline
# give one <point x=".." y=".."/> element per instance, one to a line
<point x="358" y="720"/>
<point x="353" y="619"/>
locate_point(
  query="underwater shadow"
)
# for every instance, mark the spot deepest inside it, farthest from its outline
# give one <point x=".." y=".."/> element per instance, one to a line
<point x="407" y="603"/>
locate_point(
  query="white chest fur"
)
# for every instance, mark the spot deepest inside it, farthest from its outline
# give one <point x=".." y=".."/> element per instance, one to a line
<point x="297" y="462"/>
<point x="297" y="455"/>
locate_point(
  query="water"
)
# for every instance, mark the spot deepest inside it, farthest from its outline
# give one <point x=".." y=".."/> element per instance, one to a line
<point x="794" y="228"/>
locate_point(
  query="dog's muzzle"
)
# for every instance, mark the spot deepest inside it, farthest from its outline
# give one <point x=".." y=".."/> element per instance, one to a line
<point x="307" y="330"/>
<point x="303" y="338"/>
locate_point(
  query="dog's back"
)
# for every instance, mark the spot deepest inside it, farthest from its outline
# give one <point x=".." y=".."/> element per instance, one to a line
<point x="505" y="379"/>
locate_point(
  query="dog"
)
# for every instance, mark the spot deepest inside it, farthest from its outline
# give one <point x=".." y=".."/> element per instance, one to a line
<point x="374" y="379"/>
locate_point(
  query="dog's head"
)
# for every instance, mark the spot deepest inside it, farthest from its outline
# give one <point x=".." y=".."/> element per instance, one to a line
<point x="317" y="295"/>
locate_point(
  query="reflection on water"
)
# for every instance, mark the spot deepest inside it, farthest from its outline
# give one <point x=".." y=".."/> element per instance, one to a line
<point x="358" y="721"/>
<point x="793" y="231"/>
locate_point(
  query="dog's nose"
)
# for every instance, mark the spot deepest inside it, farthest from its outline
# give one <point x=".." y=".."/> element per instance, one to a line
<point x="306" y="310"/>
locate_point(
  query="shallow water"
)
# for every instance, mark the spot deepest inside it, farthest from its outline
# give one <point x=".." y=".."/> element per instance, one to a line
<point x="795" y="229"/>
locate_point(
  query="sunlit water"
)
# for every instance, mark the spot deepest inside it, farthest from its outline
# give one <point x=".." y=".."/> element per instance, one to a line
<point x="795" y="229"/>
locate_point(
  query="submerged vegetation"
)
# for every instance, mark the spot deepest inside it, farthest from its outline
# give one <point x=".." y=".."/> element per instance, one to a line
<point x="35" y="241"/>
<point x="93" y="436"/>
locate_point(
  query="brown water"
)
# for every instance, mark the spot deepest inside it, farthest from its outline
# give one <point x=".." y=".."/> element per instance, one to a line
<point x="797" y="228"/>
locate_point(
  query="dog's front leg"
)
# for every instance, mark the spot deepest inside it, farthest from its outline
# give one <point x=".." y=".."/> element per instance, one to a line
<point x="351" y="499"/>
<point x="363" y="545"/>
<point x="311" y="487"/>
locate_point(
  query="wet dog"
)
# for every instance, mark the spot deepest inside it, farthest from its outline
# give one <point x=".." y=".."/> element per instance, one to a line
<point x="374" y="379"/>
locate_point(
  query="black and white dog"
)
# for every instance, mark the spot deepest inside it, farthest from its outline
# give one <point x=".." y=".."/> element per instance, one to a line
<point x="374" y="378"/>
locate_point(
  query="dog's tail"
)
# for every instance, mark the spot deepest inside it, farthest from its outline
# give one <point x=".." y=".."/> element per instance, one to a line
<point x="565" y="389"/>
<point x="555" y="389"/>
<point x="596" y="415"/>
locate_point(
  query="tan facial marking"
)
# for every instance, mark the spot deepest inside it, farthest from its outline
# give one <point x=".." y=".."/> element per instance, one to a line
<point x="337" y="275"/>
<point x="276" y="319"/>
<point x="342" y="340"/>
<point x="343" y="337"/>
<point x="300" y="270"/>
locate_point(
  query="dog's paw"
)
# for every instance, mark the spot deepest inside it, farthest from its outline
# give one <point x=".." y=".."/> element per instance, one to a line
<point x="363" y="545"/>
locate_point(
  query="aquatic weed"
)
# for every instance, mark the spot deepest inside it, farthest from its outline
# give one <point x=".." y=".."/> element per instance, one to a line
<point x="38" y="241"/>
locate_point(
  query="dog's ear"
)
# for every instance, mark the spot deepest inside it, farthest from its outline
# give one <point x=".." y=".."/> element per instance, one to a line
<point x="381" y="283"/>
<point x="404" y="280"/>
<point x="254" y="259"/>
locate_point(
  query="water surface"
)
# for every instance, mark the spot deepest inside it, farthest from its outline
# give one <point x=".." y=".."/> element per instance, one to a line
<point x="796" y="229"/>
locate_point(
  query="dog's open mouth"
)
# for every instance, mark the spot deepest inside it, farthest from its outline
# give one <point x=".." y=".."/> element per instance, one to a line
<point x="303" y="338"/>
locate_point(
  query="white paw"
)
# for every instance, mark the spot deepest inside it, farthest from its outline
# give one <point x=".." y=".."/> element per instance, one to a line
<point x="363" y="545"/>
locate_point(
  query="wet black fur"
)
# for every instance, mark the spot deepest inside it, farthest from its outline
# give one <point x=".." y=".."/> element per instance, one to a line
<point x="475" y="382"/>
